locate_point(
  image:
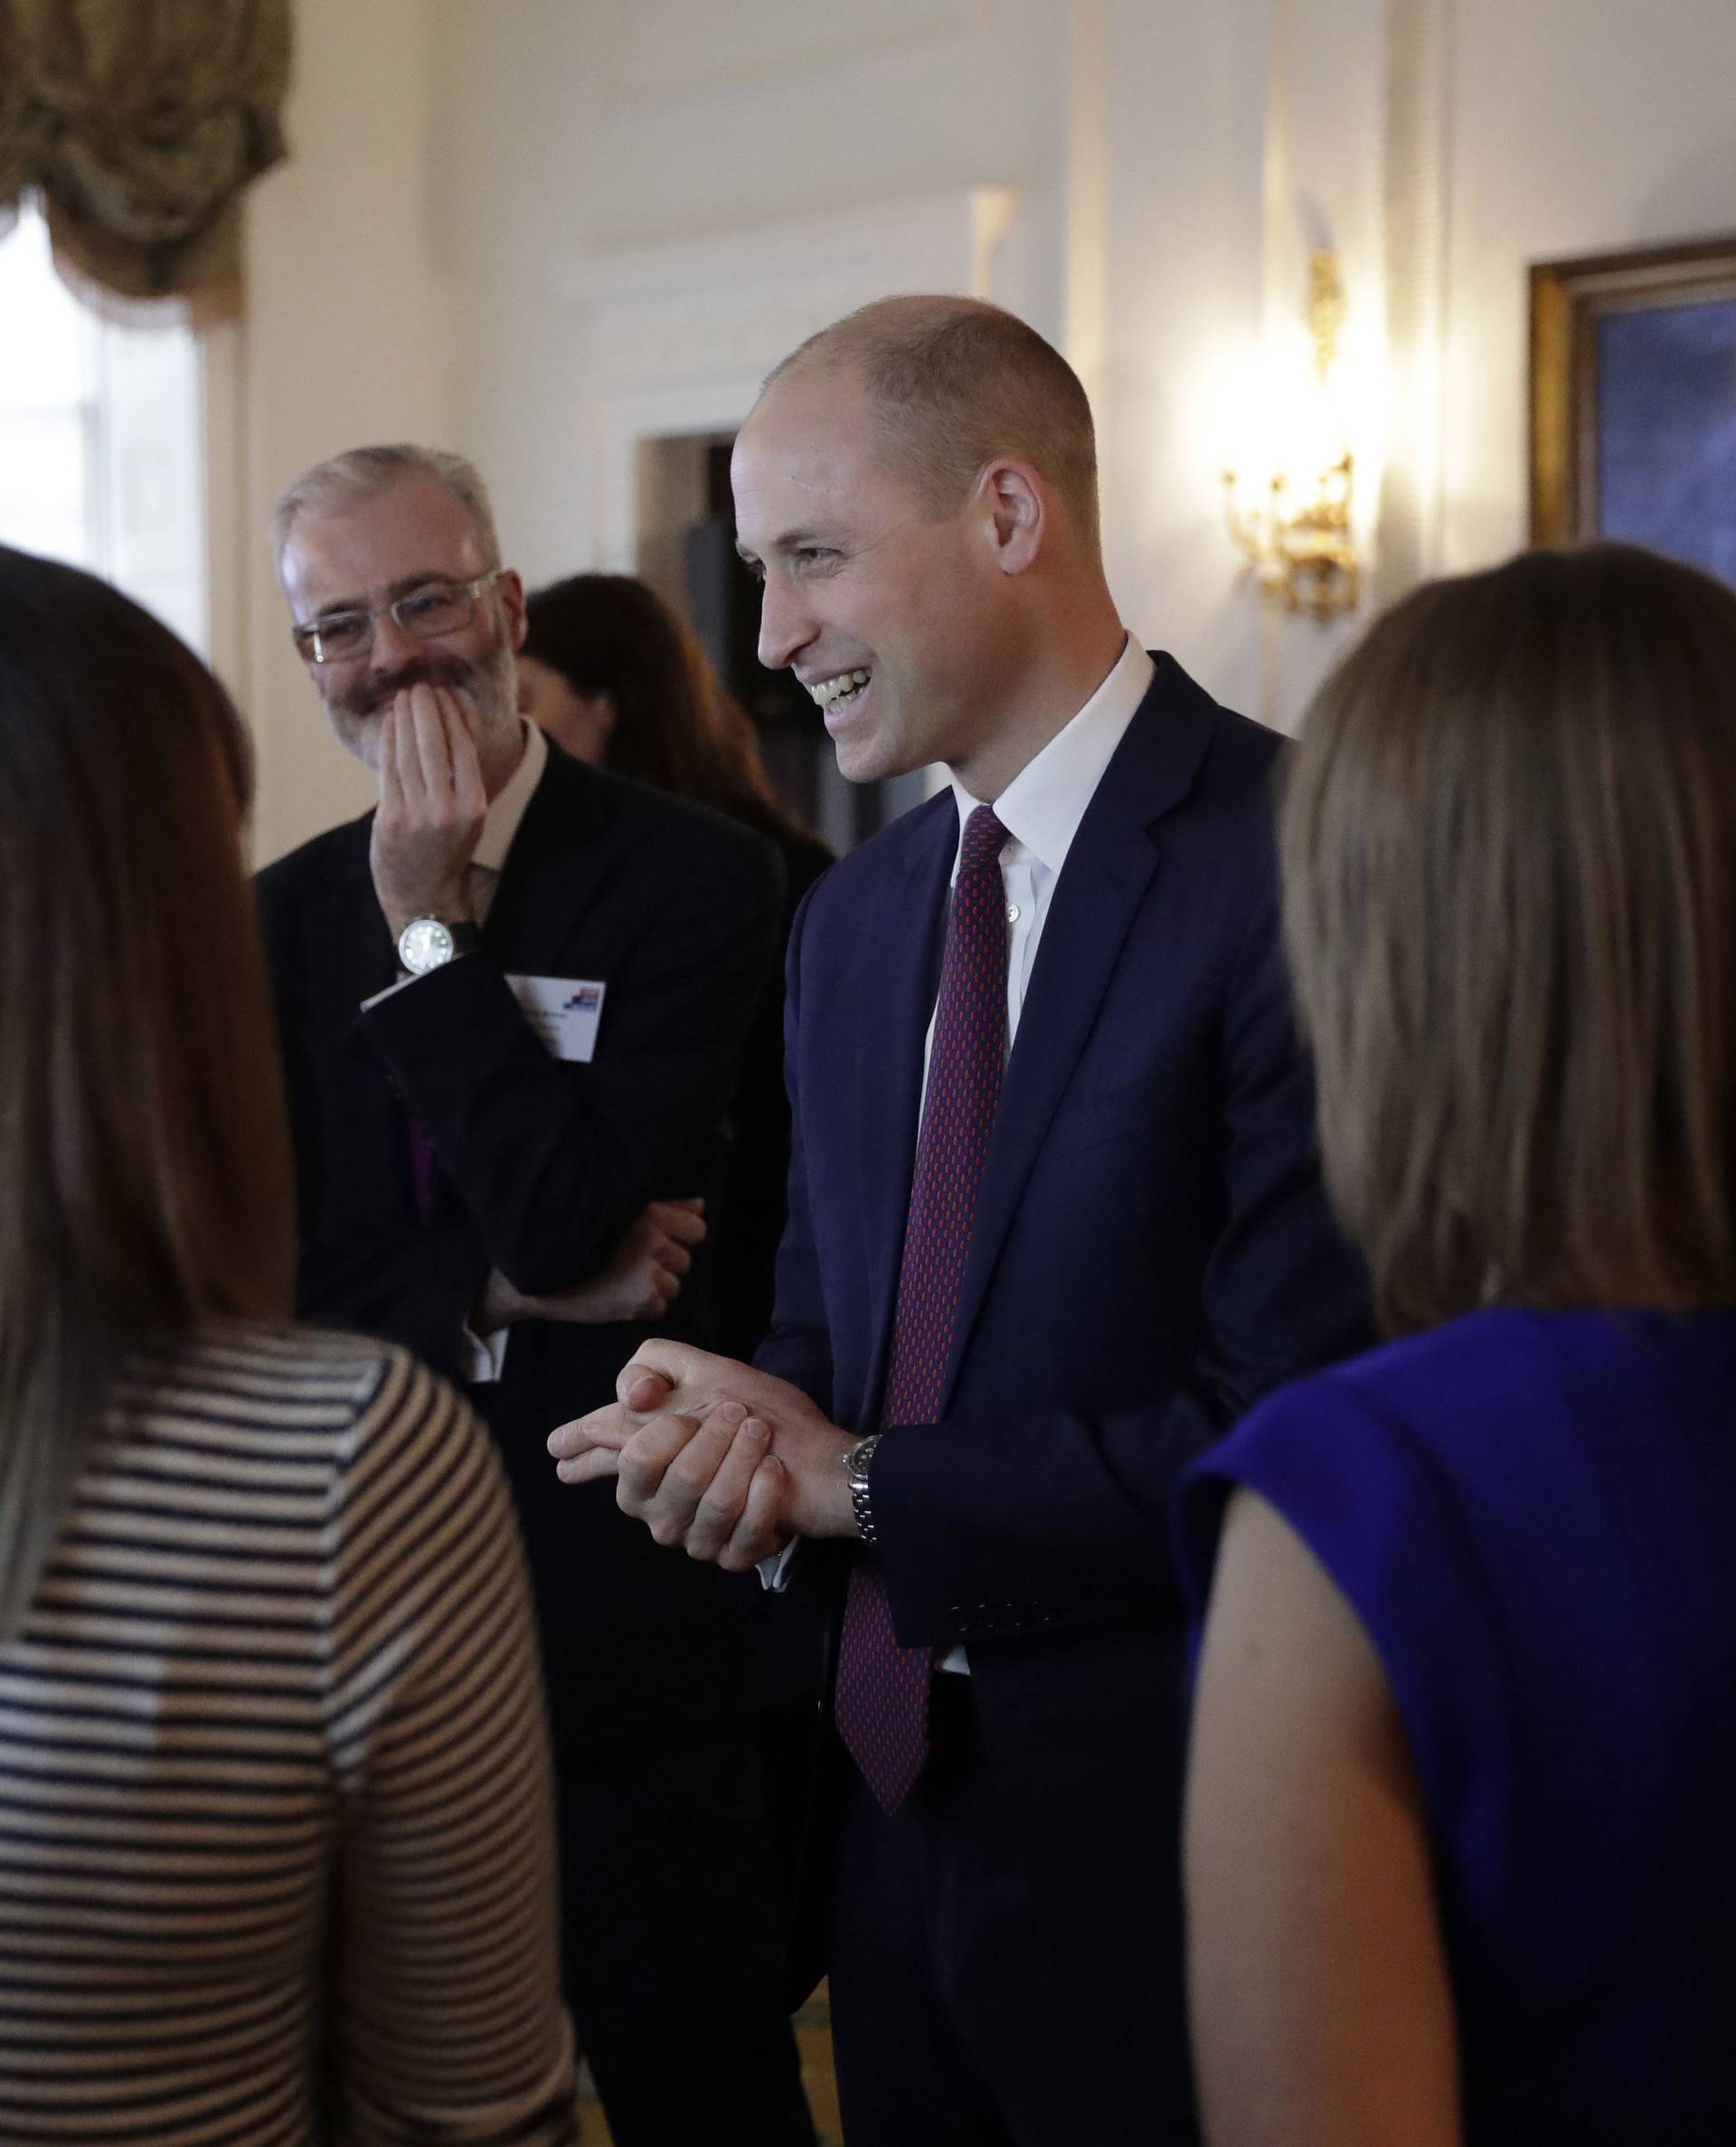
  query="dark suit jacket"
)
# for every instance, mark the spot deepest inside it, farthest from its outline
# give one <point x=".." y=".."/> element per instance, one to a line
<point x="751" y="1210"/>
<point x="1152" y="1251"/>
<point x="542" y="1167"/>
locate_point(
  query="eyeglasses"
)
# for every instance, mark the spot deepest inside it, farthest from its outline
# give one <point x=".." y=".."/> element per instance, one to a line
<point x="441" y="608"/>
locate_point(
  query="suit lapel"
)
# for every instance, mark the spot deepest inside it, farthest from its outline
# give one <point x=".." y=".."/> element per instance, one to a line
<point x="350" y="951"/>
<point x="554" y="870"/>
<point x="1113" y="859"/>
<point x="898" y="934"/>
<point x="354" y="941"/>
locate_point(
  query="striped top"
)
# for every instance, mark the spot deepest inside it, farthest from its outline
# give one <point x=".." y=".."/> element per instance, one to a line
<point x="275" y="1838"/>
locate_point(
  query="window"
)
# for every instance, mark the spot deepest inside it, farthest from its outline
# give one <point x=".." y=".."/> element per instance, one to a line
<point x="102" y="439"/>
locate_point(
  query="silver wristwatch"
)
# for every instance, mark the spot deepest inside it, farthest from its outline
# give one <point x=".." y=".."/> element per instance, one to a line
<point x="856" y="1468"/>
<point x="430" y="942"/>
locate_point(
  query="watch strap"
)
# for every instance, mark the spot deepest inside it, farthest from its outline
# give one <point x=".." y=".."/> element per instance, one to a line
<point x="856" y="1468"/>
<point x="467" y="937"/>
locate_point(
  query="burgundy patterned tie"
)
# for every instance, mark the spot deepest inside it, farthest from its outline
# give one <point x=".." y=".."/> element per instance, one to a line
<point x="883" y="1691"/>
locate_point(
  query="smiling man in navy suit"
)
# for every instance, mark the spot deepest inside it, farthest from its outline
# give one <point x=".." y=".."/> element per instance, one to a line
<point x="1054" y="1225"/>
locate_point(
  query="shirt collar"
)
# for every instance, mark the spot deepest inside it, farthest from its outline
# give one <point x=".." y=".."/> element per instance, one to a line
<point x="508" y="809"/>
<point x="1045" y="803"/>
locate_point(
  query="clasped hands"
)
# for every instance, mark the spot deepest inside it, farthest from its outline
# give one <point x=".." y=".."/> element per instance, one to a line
<point x="642" y="1280"/>
<point x="729" y="1463"/>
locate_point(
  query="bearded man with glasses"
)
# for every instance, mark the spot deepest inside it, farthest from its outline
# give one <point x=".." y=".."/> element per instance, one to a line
<point x="512" y="999"/>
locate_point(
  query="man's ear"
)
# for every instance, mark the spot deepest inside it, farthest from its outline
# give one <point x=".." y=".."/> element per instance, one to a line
<point x="1017" y="512"/>
<point x="510" y="590"/>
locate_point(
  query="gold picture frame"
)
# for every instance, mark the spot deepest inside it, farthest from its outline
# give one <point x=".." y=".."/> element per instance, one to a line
<point x="1606" y="331"/>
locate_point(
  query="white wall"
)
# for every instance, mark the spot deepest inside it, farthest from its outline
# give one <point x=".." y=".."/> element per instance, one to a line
<point x="459" y="163"/>
<point x="347" y="339"/>
<point x="586" y="126"/>
<point x="1578" y="127"/>
<point x="1184" y="117"/>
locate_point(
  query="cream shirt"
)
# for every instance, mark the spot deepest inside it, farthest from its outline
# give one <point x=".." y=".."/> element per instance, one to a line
<point x="500" y="828"/>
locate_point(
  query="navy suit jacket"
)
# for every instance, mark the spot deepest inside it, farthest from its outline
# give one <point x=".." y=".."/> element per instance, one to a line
<point x="1152" y="1253"/>
<point x="543" y="1165"/>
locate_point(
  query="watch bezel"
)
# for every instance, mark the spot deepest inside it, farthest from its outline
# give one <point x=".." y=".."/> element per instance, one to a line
<point x="444" y="949"/>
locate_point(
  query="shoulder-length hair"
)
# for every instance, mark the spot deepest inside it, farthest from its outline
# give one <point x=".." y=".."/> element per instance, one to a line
<point x="677" y="727"/>
<point x="1509" y="854"/>
<point x="142" y="1147"/>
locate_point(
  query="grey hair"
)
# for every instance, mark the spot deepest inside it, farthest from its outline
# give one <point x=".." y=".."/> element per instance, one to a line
<point x="359" y="473"/>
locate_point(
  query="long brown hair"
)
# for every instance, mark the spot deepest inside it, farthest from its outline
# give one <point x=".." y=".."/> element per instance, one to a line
<point x="142" y="1147"/>
<point x="677" y="726"/>
<point x="1509" y="848"/>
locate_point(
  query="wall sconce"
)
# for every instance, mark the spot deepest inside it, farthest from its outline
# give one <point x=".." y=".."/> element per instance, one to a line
<point x="1297" y="539"/>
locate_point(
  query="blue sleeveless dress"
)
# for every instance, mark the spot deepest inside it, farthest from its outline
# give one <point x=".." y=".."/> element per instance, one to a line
<point x="1534" y="1515"/>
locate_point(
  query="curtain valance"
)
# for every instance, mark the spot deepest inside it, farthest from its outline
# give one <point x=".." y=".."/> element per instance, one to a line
<point x="140" y="124"/>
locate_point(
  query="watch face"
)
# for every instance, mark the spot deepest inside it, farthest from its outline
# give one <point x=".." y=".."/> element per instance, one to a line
<point x="424" y="944"/>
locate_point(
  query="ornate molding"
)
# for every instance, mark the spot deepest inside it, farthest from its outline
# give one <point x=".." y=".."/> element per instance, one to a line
<point x="749" y="295"/>
<point x="676" y="338"/>
<point x="662" y="51"/>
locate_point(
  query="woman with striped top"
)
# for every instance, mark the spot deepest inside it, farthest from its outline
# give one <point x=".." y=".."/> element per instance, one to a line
<point x="275" y="1837"/>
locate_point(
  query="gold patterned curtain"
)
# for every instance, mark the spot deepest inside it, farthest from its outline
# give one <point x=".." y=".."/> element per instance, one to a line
<point x="139" y="124"/>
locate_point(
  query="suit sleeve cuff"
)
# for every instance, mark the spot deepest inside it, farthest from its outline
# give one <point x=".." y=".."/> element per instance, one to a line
<point x="774" y="1573"/>
<point x="484" y="1356"/>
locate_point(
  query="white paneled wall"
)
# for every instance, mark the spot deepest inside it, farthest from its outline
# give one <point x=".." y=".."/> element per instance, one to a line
<point x="472" y="174"/>
<point x="348" y="338"/>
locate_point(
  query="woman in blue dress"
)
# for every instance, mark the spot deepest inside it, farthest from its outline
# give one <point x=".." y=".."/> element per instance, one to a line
<point x="1461" y="1825"/>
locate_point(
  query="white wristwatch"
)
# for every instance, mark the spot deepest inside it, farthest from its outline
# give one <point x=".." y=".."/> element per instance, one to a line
<point x="430" y="943"/>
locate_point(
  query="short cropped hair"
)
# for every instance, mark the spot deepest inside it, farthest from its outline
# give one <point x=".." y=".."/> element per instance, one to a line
<point x="359" y="473"/>
<point x="955" y="383"/>
<point x="1509" y="858"/>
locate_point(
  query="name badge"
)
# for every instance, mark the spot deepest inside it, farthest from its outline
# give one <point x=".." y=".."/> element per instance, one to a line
<point x="564" y="1011"/>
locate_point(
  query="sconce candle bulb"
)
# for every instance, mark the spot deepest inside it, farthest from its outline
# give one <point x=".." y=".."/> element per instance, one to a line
<point x="1301" y="553"/>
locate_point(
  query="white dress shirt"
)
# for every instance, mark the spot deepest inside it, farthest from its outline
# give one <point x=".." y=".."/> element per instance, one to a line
<point x="1040" y="809"/>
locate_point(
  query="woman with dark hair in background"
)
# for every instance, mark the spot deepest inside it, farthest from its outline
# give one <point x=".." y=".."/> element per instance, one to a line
<point x="611" y="672"/>
<point x="275" y="1832"/>
<point x="1460" y="1855"/>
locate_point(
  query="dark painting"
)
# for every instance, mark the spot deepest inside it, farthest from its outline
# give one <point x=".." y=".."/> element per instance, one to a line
<point x="1666" y="432"/>
<point x="1633" y="401"/>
